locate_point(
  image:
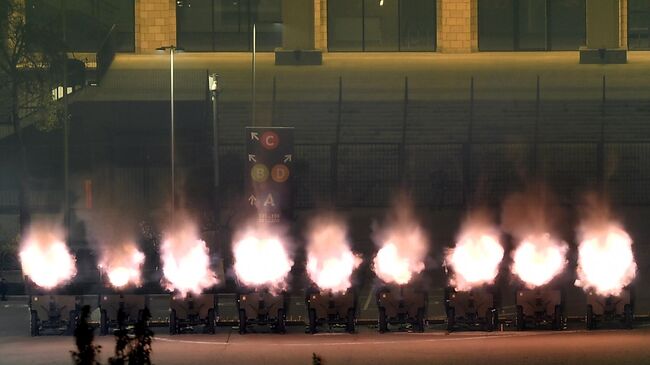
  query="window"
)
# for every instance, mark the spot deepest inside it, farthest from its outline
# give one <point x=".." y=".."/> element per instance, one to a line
<point x="530" y="25"/>
<point x="381" y="25"/>
<point x="226" y="25"/>
<point x="87" y="21"/>
<point x="417" y="30"/>
<point x="231" y="27"/>
<point x="496" y="25"/>
<point x="194" y="29"/>
<point x="638" y="32"/>
<point x="567" y="25"/>
<point x="345" y="25"/>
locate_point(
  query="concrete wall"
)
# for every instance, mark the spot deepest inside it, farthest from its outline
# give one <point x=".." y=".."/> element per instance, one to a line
<point x="457" y="26"/>
<point x="603" y="24"/>
<point x="155" y="24"/>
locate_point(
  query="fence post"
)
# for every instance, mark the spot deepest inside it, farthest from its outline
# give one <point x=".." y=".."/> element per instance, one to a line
<point x="467" y="148"/>
<point x="535" y="153"/>
<point x="601" y="141"/>
<point x="402" y="147"/>
<point x="334" y="149"/>
<point x="273" y="99"/>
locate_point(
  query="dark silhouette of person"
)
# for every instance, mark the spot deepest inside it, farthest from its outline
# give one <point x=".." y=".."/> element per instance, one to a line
<point x="3" y="289"/>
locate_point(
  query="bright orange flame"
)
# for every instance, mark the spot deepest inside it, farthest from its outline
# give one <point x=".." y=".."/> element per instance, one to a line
<point x="475" y="259"/>
<point x="402" y="254"/>
<point x="605" y="260"/>
<point x="261" y="259"/>
<point x="538" y="259"/>
<point x="330" y="261"/>
<point x="45" y="258"/>
<point x="123" y="265"/>
<point x="186" y="262"/>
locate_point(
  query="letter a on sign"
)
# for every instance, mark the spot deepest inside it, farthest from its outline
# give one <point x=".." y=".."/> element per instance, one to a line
<point x="269" y="202"/>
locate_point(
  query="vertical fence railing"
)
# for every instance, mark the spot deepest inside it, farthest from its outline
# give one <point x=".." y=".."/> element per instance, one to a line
<point x="105" y="55"/>
<point x="601" y="138"/>
<point x="402" y="146"/>
<point x="467" y="147"/>
<point x="334" y="152"/>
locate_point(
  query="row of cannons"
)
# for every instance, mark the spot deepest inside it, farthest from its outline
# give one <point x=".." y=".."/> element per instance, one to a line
<point x="398" y="306"/>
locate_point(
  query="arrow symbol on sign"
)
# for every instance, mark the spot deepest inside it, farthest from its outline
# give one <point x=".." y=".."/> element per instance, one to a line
<point x="251" y="158"/>
<point x="252" y="199"/>
<point x="255" y="136"/>
<point x="287" y="158"/>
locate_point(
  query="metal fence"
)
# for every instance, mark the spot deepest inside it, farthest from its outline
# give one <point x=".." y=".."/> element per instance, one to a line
<point x="347" y="174"/>
<point x="447" y="154"/>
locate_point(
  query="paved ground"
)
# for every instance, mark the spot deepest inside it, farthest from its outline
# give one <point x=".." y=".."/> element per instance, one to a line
<point x="378" y="76"/>
<point x="433" y="347"/>
<point x="367" y="347"/>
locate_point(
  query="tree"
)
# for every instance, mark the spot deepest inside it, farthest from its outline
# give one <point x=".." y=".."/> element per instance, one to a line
<point x="133" y="348"/>
<point x="87" y="351"/>
<point x="31" y="61"/>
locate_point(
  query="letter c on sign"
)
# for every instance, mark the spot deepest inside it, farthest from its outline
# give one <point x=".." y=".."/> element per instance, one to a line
<point x="270" y="140"/>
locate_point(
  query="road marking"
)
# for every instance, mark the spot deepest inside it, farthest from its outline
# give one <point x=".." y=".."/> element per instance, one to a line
<point x="439" y="338"/>
<point x="16" y="306"/>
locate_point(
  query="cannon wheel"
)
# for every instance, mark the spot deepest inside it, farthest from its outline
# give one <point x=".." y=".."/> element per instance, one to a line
<point x="557" y="318"/>
<point x="383" y="321"/>
<point x="451" y="319"/>
<point x="312" y="321"/>
<point x="33" y="323"/>
<point x="242" y="322"/>
<point x="281" y="325"/>
<point x="173" y="322"/>
<point x="519" y="319"/>
<point x="628" y="316"/>
<point x="589" y="318"/>
<point x="351" y="325"/>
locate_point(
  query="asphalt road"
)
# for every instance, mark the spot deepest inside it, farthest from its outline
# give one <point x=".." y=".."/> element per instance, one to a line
<point x="367" y="347"/>
<point x="435" y="346"/>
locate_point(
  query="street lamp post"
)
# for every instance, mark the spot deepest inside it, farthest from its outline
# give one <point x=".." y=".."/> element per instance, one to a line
<point x="214" y="86"/>
<point x="172" y="49"/>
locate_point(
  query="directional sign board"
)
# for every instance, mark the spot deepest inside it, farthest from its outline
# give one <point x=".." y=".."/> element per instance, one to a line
<point x="269" y="172"/>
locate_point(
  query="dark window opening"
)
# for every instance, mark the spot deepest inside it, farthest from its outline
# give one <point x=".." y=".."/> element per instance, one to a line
<point x="87" y="22"/>
<point x="531" y="25"/>
<point x="227" y="25"/>
<point x="638" y="24"/>
<point x="386" y="25"/>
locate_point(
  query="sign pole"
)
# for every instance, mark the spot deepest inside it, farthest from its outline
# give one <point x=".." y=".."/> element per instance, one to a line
<point x="253" y="81"/>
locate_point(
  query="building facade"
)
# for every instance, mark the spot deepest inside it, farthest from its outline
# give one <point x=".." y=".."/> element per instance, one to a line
<point x="447" y="26"/>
